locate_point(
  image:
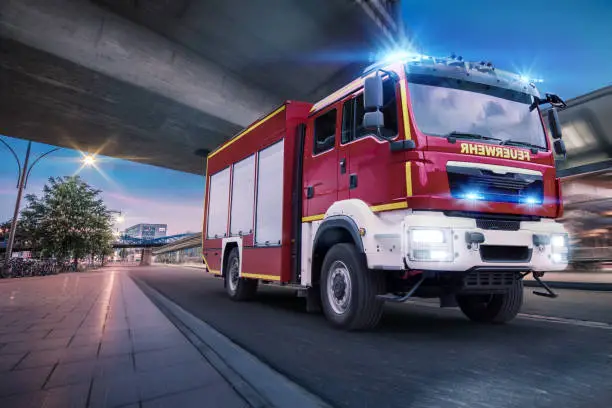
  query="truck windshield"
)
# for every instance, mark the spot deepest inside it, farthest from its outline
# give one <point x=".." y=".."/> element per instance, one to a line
<point x="446" y="106"/>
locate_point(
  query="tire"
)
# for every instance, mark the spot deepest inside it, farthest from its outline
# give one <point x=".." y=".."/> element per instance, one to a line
<point x="238" y="288"/>
<point x="353" y="304"/>
<point x="495" y="308"/>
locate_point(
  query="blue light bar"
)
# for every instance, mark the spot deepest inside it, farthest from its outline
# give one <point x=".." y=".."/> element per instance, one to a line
<point x="530" y="200"/>
<point x="472" y="196"/>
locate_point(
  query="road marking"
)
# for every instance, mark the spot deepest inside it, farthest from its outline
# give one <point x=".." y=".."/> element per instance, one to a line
<point x="564" y="320"/>
<point x="542" y="318"/>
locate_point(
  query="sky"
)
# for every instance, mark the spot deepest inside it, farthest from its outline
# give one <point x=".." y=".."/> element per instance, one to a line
<point x="567" y="43"/>
<point x="144" y="194"/>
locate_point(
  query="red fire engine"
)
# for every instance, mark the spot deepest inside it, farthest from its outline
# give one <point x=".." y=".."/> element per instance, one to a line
<point x="425" y="177"/>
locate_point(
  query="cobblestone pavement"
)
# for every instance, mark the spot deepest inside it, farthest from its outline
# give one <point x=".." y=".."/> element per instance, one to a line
<point x="95" y="340"/>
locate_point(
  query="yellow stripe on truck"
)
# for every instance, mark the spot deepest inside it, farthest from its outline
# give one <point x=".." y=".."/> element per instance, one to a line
<point x="408" y="179"/>
<point x="311" y="218"/>
<point x="249" y="129"/>
<point x="389" y="207"/>
<point x="208" y="267"/>
<point x="260" y="276"/>
<point x="405" y="116"/>
<point x="375" y="208"/>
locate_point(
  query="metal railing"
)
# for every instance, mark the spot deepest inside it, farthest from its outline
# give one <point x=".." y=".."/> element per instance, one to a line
<point x="592" y="254"/>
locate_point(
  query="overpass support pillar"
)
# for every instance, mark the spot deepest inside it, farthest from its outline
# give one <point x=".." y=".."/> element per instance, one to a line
<point x="146" y="255"/>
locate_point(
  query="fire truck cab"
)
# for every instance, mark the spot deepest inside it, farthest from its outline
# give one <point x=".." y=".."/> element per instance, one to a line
<point x="425" y="177"/>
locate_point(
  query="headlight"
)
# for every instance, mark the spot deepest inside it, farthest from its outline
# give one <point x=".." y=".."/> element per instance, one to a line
<point x="558" y="240"/>
<point x="428" y="236"/>
<point x="559" y="244"/>
<point x="430" y="245"/>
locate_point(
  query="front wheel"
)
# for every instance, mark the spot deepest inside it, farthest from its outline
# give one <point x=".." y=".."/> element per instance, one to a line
<point x="495" y="308"/>
<point x="349" y="289"/>
<point x="236" y="287"/>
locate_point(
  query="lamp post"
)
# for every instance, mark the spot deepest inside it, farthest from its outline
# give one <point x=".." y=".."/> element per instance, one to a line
<point x="22" y="181"/>
<point x="118" y="220"/>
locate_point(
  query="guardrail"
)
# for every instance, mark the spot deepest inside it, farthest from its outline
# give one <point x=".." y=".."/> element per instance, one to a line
<point x="593" y="254"/>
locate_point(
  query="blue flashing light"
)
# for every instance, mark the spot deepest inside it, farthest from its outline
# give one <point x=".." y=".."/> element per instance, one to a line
<point x="397" y="56"/>
<point x="529" y="80"/>
<point x="472" y="196"/>
<point x="530" y="200"/>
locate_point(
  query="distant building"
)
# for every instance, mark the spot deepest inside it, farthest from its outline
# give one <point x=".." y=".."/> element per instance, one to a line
<point x="147" y="231"/>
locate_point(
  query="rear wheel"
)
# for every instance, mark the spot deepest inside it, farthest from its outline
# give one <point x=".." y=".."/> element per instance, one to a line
<point x="495" y="308"/>
<point x="236" y="287"/>
<point x="349" y="289"/>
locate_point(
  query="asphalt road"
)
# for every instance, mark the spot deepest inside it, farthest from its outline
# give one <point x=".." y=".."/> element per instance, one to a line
<point x="420" y="356"/>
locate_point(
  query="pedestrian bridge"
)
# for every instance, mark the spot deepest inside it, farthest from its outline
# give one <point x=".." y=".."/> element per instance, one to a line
<point x="126" y="241"/>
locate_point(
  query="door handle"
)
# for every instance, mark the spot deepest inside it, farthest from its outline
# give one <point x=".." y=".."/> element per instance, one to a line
<point x="309" y="192"/>
<point x="342" y="166"/>
<point x="352" y="181"/>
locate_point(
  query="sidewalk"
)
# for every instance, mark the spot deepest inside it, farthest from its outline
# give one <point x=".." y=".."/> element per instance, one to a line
<point x="95" y="340"/>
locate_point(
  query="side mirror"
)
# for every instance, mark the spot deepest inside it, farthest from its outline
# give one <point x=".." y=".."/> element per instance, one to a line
<point x="554" y="124"/>
<point x="559" y="146"/>
<point x="373" y="93"/>
<point x="373" y="120"/>
<point x="555" y="100"/>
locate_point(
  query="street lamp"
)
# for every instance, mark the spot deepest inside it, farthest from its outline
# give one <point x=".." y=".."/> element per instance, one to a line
<point x="22" y="181"/>
<point x="119" y="218"/>
<point x="89" y="160"/>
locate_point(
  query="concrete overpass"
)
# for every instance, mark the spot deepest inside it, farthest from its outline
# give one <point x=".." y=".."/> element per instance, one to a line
<point x="188" y="241"/>
<point x="587" y="133"/>
<point x="155" y="81"/>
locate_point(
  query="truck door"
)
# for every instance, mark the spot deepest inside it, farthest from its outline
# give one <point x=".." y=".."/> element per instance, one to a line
<point x="375" y="174"/>
<point x="321" y="162"/>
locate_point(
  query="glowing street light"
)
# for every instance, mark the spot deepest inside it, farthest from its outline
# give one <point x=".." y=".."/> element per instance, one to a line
<point x="89" y="160"/>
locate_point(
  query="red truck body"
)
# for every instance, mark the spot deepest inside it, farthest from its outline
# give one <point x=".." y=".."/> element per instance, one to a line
<point x="359" y="177"/>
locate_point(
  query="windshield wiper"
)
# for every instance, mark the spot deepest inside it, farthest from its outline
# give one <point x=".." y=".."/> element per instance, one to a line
<point x="463" y="135"/>
<point x="510" y="142"/>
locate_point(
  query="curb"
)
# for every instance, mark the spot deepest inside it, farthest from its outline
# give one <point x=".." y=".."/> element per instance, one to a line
<point x="256" y="382"/>
<point x="594" y="286"/>
<point x="180" y="266"/>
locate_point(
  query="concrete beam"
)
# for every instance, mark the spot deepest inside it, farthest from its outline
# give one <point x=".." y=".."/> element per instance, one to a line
<point x="88" y="35"/>
<point x="50" y="100"/>
<point x="381" y="12"/>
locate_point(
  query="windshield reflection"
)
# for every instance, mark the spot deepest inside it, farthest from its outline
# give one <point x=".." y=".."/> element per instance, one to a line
<point x="440" y="110"/>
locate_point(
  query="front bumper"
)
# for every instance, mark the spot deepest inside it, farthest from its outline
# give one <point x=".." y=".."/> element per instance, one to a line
<point x="502" y="243"/>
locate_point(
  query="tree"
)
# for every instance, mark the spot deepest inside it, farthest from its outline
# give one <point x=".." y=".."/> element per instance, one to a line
<point x="22" y="239"/>
<point x="69" y="220"/>
<point x="5" y="228"/>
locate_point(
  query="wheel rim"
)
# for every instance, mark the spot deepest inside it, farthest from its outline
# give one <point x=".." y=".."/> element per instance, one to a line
<point x="234" y="275"/>
<point x="339" y="287"/>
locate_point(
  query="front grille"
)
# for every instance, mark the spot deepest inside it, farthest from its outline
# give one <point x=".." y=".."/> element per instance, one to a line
<point x="504" y="253"/>
<point x="487" y="279"/>
<point x="483" y="184"/>
<point x="499" y="225"/>
<point x="492" y="216"/>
